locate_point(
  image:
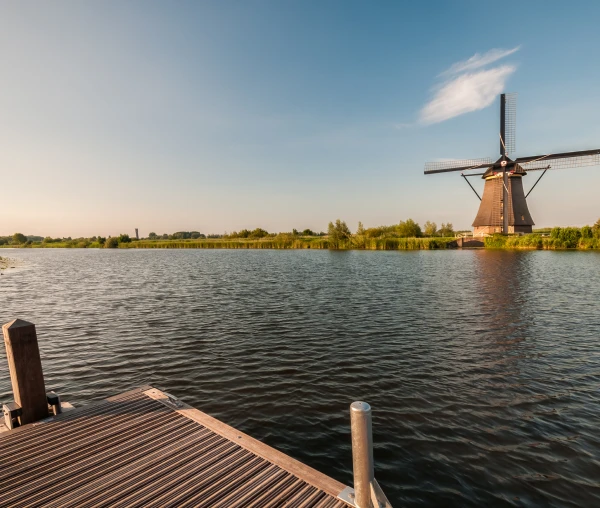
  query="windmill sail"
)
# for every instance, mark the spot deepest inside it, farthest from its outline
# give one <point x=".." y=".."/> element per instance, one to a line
<point x="508" y="123"/>
<point x="560" y="160"/>
<point x="457" y="165"/>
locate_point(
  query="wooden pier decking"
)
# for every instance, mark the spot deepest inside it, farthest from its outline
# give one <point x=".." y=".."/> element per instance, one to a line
<point x="146" y="448"/>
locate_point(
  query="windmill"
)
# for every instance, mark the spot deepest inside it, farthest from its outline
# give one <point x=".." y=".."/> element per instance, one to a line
<point x="503" y="207"/>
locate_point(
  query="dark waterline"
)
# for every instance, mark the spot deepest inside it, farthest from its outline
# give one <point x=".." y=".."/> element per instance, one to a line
<point x="483" y="367"/>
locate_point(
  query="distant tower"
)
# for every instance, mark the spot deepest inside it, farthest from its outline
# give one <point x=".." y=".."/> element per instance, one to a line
<point x="137" y="236"/>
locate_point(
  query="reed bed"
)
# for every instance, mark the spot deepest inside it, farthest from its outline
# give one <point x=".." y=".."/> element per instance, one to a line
<point x="297" y="243"/>
<point x="525" y="242"/>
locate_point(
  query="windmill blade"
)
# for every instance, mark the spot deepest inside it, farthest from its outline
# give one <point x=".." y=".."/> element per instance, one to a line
<point x="508" y="123"/>
<point x="560" y="160"/>
<point x="457" y="165"/>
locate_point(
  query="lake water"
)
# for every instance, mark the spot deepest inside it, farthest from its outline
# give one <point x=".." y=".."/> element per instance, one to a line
<point x="482" y="367"/>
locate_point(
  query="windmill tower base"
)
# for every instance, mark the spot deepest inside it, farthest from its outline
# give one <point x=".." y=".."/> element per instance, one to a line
<point x="490" y="230"/>
<point x="489" y="218"/>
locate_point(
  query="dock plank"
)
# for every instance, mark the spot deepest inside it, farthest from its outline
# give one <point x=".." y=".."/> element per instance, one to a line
<point x="146" y="448"/>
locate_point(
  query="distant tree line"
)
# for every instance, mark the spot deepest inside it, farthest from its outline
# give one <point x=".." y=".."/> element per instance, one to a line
<point x="179" y="235"/>
<point x="404" y="229"/>
<point x="259" y="233"/>
<point x="338" y="235"/>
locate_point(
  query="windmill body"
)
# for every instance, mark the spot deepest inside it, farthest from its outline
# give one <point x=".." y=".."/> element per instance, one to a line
<point x="490" y="217"/>
<point x="503" y="207"/>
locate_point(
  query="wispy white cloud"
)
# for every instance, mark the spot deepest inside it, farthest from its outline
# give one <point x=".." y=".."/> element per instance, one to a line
<point x="479" y="60"/>
<point x="466" y="93"/>
<point x="467" y="86"/>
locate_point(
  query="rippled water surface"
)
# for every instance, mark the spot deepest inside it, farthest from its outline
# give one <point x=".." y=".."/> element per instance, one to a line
<point x="482" y="367"/>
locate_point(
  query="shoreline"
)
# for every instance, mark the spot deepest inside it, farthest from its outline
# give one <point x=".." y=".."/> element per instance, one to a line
<point x="526" y="242"/>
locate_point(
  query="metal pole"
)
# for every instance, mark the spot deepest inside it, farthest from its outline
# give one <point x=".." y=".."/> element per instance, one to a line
<point x="362" y="453"/>
<point x="536" y="182"/>
<point x="473" y="188"/>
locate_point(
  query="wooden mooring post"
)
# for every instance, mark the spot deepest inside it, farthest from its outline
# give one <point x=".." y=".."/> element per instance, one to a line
<point x="25" y="366"/>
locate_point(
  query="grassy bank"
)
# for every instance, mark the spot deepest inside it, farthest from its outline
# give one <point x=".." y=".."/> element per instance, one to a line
<point x="279" y="242"/>
<point x="526" y="242"/>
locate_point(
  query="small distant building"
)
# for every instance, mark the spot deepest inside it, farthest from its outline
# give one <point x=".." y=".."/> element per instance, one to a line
<point x="137" y="235"/>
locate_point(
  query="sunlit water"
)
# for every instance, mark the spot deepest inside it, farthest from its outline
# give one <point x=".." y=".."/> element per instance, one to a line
<point x="482" y="368"/>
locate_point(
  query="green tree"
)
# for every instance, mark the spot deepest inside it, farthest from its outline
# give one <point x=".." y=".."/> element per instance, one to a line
<point x="408" y="229"/>
<point x="19" y="238"/>
<point x="258" y="233"/>
<point x="123" y="238"/>
<point x="152" y="236"/>
<point x="587" y="232"/>
<point x="308" y="232"/>
<point x="360" y="230"/>
<point x="447" y="230"/>
<point x="338" y="233"/>
<point x="429" y="229"/>
<point x="111" y="242"/>
<point x="596" y="229"/>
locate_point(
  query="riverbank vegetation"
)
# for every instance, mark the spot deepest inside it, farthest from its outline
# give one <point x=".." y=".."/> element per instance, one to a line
<point x="584" y="238"/>
<point x="406" y="235"/>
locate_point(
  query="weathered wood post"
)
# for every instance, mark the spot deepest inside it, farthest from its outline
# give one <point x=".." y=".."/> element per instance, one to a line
<point x="25" y="367"/>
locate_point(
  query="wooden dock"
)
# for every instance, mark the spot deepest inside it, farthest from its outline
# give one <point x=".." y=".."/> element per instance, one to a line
<point x="146" y="448"/>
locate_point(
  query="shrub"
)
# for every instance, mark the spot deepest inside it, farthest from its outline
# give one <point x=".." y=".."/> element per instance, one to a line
<point x="447" y="230"/>
<point x="408" y="229"/>
<point x="566" y="238"/>
<point x="430" y="229"/>
<point x="19" y="238"/>
<point x="259" y="233"/>
<point x="596" y="229"/>
<point x="380" y="232"/>
<point x="111" y="242"/>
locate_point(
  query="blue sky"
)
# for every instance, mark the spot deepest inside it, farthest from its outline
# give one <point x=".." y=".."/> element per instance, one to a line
<point x="218" y="116"/>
